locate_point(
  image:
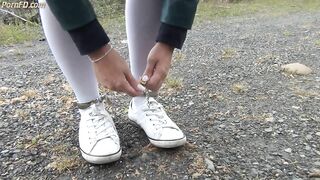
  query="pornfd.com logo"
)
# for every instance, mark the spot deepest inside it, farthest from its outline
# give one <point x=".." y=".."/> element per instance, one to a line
<point x="22" y="5"/>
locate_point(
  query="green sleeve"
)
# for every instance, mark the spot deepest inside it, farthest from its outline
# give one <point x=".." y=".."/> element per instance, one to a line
<point x="72" y="14"/>
<point x="179" y="12"/>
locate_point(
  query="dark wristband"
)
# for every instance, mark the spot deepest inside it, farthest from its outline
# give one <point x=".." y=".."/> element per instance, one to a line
<point x="172" y="35"/>
<point x="90" y="37"/>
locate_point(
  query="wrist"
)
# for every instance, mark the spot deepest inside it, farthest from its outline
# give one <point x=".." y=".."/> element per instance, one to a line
<point x="99" y="52"/>
<point x="165" y="46"/>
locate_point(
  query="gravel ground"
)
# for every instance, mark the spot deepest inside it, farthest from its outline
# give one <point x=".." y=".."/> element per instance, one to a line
<point x="243" y="117"/>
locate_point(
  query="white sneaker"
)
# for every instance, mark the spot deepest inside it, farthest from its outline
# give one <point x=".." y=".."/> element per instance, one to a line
<point x="98" y="137"/>
<point x="160" y="129"/>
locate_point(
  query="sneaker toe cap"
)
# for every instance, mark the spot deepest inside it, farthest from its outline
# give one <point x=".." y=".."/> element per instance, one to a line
<point x="171" y="134"/>
<point x="105" y="147"/>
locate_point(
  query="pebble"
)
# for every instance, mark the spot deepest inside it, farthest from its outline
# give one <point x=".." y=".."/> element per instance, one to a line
<point x="317" y="163"/>
<point x="288" y="150"/>
<point x="318" y="133"/>
<point x="278" y="171"/>
<point x="296" y="68"/>
<point x="145" y="156"/>
<point x="270" y="119"/>
<point x="308" y="148"/>
<point x="268" y="129"/>
<point x="209" y="164"/>
<point x="309" y="136"/>
<point x="16" y="151"/>
<point x="4" y="151"/>
<point x="196" y="175"/>
<point x="254" y="172"/>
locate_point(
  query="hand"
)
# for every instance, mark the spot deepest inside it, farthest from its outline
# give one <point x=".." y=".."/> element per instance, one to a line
<point x="113" y="73"/>
<point x="159" y="62"/>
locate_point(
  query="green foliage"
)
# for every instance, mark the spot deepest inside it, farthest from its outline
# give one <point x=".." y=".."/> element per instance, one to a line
<point x="211" y="9"/>
<point x="11" y="34"/>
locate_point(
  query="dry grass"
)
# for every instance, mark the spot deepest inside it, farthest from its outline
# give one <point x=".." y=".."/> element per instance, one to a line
<point x="239" y="88"/>
<point x="34" y="142"/>
<point x="228" y="53"/>
<point x="67" y="88"/>
<point x="31" y="93"/>
<point x="266" y="58"/>
<point x="287" y="33"/>
<point x="178" y="56"/>
<point x="65" y="158"/>
<point x="305" y="94"/>
<point x="21" y="113"/>
<point x="65" y="163"/>
<point x="49" y="79"/>
<point x="173" y="83"/>
<point x="317" y="43"/>
<point x="197" y="165"/>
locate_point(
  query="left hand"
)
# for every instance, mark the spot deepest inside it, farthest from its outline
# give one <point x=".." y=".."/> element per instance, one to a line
<point x="158" y="65"/>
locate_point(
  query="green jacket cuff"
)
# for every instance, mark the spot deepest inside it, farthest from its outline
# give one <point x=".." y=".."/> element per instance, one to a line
<point x="89" y="37"/>
<point x="172" y="35"/>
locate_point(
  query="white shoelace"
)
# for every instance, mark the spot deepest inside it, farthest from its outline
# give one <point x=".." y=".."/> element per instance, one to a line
<point x="99" y="126"/>
<point x="156" y="114"/>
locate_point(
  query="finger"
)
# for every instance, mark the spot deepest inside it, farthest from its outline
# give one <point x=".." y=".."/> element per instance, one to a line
<point x="150" y="67"/>
<point x="156" y="80"/>
<point x="128" y="89"/>
<point x="133" y="82"/>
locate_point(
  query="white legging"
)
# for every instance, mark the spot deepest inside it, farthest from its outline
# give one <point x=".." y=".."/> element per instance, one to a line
<point x="142" y="24"/>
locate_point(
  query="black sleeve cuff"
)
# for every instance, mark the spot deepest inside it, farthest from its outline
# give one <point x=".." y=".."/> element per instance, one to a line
<point x="90" y="37"/>
<point x="172" y="35"/>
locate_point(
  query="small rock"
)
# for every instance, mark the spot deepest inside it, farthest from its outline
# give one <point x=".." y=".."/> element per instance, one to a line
<point x="288" y="150"/>
<point x="278" y="171"/>
<point x="209" y="164"/>
<point x="196" y="175"/>
<point x="16" y="151"/>
<point x="268" y="129"/>
<point x="295" y="107"/>
<point x="314" y="173"/>
<point x="269" y="119"/>
<point x="308" y="148"/>
<point x="296" y="68"/>
<point x="317" y="163"/>
<point x="145" y="156"/>
<point x="4" y="151"/>
<point x="191" y="103"/>
<point x="254" y="172"/>
<point x="318" y="133"/>
<point x="309" y="136"/>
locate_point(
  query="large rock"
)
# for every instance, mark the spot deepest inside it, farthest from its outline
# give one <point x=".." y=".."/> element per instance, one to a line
<point x="296" y="68"/>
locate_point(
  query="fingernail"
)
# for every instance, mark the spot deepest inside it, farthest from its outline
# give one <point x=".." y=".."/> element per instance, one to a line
<point x="141" y="88"/>
<point x="145" y="78"/>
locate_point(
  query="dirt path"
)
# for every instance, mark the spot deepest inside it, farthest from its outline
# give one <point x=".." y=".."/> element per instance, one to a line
<point x="243" y="117"/>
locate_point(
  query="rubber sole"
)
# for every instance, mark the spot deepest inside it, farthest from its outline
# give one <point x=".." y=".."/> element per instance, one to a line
<point x="168" y="144"/>
<point x="101" y="159"/>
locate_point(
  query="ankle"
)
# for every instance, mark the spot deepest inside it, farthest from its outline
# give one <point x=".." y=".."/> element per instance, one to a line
<point x="138" y="101"/>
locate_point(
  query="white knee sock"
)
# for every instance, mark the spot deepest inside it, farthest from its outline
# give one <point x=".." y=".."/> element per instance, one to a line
<point x="142" y="24"/>
<point x="76" y="68"/>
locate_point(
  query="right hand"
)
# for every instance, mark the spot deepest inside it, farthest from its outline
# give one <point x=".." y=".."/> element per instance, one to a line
<point x="113" y="72"/>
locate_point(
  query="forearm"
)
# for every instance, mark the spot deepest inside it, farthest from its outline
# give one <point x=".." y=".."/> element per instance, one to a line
<point x="78" y="18"/>
<point x="176" y="18"/>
